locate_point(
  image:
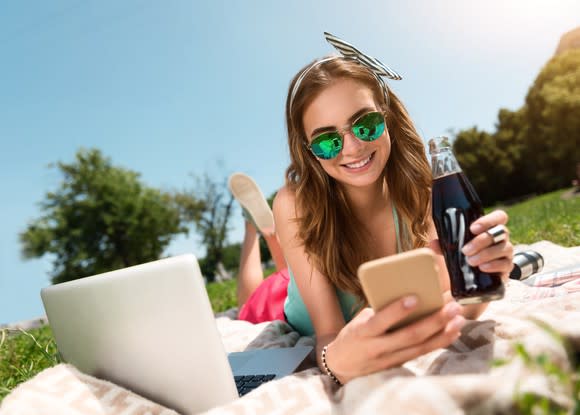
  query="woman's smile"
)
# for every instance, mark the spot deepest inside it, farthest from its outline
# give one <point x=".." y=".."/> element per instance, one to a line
<point x="360" y="165"/>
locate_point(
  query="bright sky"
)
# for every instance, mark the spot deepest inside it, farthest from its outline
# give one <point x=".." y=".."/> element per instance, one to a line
<point x="179" y="87"/>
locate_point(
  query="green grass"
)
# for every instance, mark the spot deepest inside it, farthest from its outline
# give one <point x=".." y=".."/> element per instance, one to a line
<point x="222" y="295"/>
<point x="550" y="217"/>
<point x="563" y="380"/>
<point x="23" y="355"/>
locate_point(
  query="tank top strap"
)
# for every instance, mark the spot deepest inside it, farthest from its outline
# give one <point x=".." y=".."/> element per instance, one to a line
<point x="397" y="228"/>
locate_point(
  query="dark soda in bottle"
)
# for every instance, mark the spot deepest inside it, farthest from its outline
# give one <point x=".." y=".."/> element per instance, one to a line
<point x="455" y="207"/>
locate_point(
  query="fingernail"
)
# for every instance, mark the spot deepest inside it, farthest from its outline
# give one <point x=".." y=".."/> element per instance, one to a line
<point x="468" y="249"/>
<point x="453" y="309"/>
<point x="457" y="323"/>
<point x="410" y="301"/>
<point x="476" y="228"/>
<point x="472" y="260"/>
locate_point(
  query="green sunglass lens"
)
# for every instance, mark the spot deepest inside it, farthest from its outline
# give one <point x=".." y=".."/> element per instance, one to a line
<point x="369" y="127"/>
<point x="326" y="146"/>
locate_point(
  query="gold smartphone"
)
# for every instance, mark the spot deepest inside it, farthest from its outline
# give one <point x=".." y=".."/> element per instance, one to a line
<point x="387" y="279"/>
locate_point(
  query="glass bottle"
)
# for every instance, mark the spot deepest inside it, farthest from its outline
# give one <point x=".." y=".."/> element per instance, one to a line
<point x="455" y="207"/>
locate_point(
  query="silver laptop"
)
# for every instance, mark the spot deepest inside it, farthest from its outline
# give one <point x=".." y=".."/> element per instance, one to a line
<point x="151" y="329"/>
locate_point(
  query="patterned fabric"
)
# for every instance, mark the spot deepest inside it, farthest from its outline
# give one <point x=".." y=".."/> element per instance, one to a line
<point x="556" y="278"/>
<point x="456" y="380"/>
<point x="349" y="51"/>
<point x="63" y="390"/>
<point x="560" y="277"/>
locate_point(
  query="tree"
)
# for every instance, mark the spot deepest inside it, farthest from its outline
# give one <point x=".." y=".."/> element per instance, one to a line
<point x="472" y="149"/>
<point x="211" y="221"/>
<point x="231" y="256"/>
<point x="534" y="149"/>
<point x="553" y="121"/>
<point x="511" y="178"/>
<point x="265" y="254"/>
<point x="101" y="218"/>
<point x="488" y="160"/>
<point x="493" y="162"/>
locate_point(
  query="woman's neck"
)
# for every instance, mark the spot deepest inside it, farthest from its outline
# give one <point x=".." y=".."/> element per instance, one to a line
<point x="366" y="200"/>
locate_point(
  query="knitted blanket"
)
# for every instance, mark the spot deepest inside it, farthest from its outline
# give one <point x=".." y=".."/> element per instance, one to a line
<point x="530" y="336"/>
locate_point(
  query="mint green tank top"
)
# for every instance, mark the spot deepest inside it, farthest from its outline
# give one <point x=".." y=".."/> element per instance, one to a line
<point x="295" y="309"/>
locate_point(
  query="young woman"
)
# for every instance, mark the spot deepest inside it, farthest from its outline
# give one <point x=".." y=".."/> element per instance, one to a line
<point x="358" y="188"/>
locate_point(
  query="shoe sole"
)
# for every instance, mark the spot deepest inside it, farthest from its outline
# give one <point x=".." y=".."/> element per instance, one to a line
<point x="249" y="195"/>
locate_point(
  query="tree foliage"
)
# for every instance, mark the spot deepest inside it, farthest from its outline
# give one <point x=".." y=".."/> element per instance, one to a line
<point x="231" y="256"/>
<point x="212" y="221"/>
<point x="534" y="149"/>
<point x="101" y="218"/>
<point x="265" y="254"/>
<point x="553" y="123"/>
<point x="493" y="162"/>
<point x="229" y="253"/>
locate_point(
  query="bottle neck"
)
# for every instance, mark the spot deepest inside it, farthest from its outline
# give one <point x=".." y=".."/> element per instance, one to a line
<point x="443" y="163"/>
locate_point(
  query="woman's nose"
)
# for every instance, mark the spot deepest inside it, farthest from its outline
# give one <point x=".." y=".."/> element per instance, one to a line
<point x="351" y="144"/>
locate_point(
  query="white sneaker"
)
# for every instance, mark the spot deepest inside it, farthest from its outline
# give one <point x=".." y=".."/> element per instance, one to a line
<point x="253" y="202"/>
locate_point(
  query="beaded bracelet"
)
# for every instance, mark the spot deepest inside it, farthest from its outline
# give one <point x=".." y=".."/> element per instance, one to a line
<point x="327" y="369"/>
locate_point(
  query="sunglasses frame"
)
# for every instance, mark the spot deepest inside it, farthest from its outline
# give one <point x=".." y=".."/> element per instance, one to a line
<point x="341" y="132"/>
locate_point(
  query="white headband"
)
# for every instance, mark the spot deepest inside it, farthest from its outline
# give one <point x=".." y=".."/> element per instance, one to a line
<point x="348" y="51"/>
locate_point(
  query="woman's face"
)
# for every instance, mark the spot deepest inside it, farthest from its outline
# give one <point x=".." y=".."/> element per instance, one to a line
<point x="360" y="163"/>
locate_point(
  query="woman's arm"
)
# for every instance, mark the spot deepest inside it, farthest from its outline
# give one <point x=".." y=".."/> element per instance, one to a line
<point x="364" y="345"/>
<point x="316" y="291"/>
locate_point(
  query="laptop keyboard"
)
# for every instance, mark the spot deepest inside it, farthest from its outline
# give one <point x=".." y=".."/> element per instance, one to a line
<point x="248" y="383"/>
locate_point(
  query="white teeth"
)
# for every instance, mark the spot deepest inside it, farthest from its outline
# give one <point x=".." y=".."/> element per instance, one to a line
<point x="359" y="164"/>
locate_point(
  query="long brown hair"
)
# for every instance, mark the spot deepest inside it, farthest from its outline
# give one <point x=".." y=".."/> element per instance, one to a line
<point x="331" y="235"/>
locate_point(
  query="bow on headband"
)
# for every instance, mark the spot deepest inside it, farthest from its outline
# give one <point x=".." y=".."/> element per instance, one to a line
<point x="348" y="51"/>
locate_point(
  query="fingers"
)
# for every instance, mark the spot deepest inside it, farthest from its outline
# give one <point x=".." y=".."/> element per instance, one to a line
<point x="447" y="319"/>
<point x="498" y="251"/>
<point x="376" y="324"/>
<point x="377" y="349"/>
<point x="480" y="242"/>
<point x="496" y="258"/>
<point x="497" y="217"/>
<point x="447" y="297"/>
<point x="502" y="266"/>
<point x="477" y="249"/>
<point x="439" y="340"/>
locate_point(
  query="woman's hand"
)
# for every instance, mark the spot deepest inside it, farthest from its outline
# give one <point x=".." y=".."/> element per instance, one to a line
<point x="363" y="346"/>
<point x="483" y="253"/>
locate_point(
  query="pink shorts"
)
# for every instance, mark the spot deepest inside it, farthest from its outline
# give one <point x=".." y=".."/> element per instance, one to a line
<point x="267" y="302"/>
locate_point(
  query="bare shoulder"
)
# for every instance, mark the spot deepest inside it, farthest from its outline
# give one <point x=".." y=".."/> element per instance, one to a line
<point x="285" y="218"/>
<point x="284" y="204"/>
